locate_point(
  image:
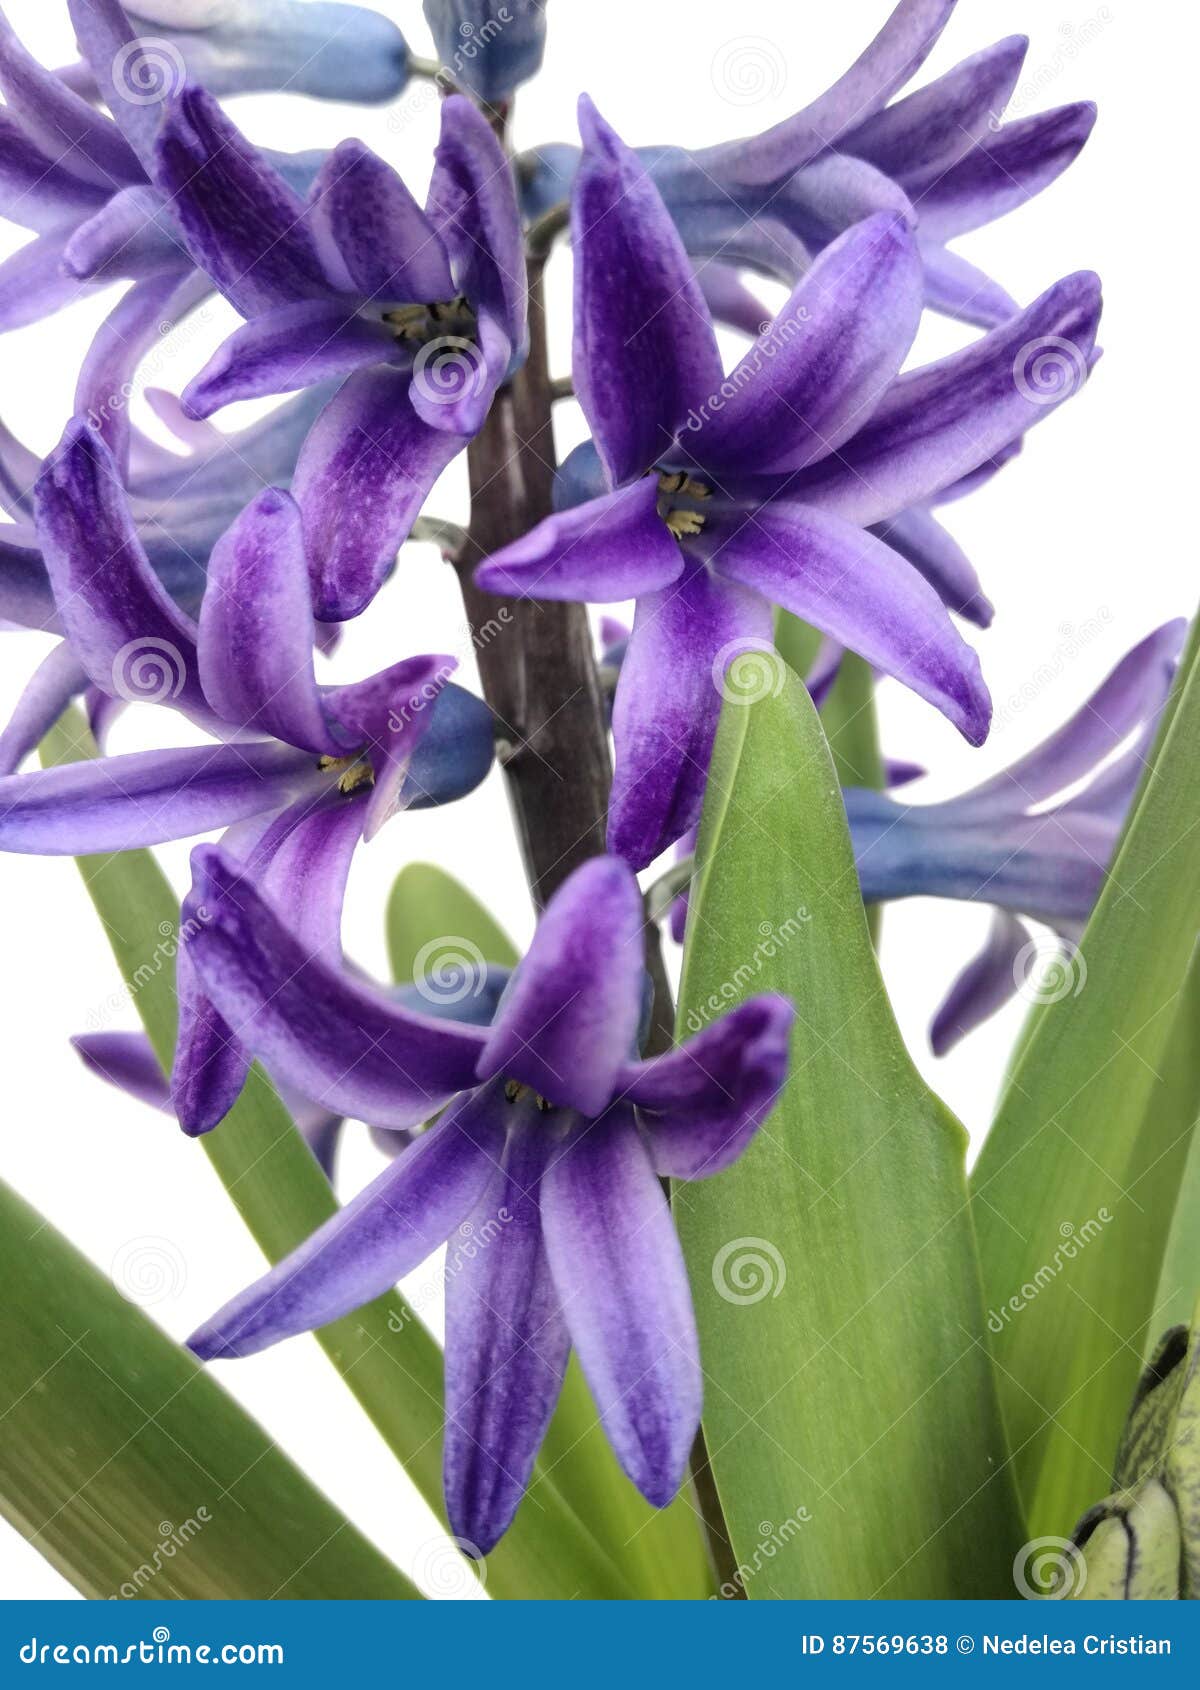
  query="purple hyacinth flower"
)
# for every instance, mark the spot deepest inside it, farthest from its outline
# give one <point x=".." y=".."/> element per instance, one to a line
<point x="488" y="49"/>
<point x="942" y="157"/>
<point x="733" y="493"/>
<point x="1014" y="841"/>
<point x="305" y="771"/>
<point x="550" y="1152"/>
<point x="420" y="315"/>
<point x="322" y="48"/>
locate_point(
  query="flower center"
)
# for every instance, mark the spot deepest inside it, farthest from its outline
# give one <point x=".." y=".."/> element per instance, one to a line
<point x="355" y="771"/>
<point x="679" y="494"/>
<point x="420" y="324"/>
<point x="515" y="1089"/>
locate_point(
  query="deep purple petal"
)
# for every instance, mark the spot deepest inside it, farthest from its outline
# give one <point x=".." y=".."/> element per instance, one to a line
<point x="339" y="1041"/>
<point x="918" y="536"/>
<point x="984" y="986"/>
<point x="290" y="347"/>
<point x="570" y="1017"/>
<point x="384" y="1233"/>
<point x="365" y="471"/>
<point x="57" y="679"/>
<point x="818" y="371"/>
<point x="701" y="1104"/>
<point x="147" y="797"/>
<point x="36" y="191"/>
<point x="645" y="351"/>
<point x="667" y="705"/>
<point x="506" y="1342"/>
<point x="256" y="629"/>
<point x="210" y="1063"/>
<point x="127" y="1061"/>
<point x="611" y="548"/>
<point x="1004" y="171"/>
<point x="242" y="222"/>
<point x="624" y="1290"/>
<point x="361" y="211"/>
<point x="26" y="597"/>
<point x="917" y="139"/>
<point x="127" y="632"/>
<point x="893" y="58"/>
<point x="473" y="206"/>
<point x="941" y="422"/>
<point x="854" y="588"/>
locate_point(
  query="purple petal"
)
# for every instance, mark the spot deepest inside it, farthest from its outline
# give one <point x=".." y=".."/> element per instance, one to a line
<point x="384" y="1233"/>
<point x="127" y="1061"/>
<point x="918" y="536"/>
<point x="1005" y="171"/>
<point x="984" y="986"/>
<point x="390" y="714"/>
<point x="729" y="300"/>
<point x="146" y="798"/>
<point x="121" y="69"/>
<point x="1132" y="695"/>
<point x="210" y="1064"/>
<point x="701" y="1104"/>
<point x="361" y="211"/>
<point x="957" y="289"/>
<point x="667" y="705"/>
<point x="57" y="679"/>
<point x="365" y="470"/>
<point x="291" y="347"/>
<point x="917" y="139"/>
<point x="59" y="121"/>
<point x="242" y="223"/>
<point x="26" y="597"/>
<point x="127" y="632"/>
<point x="34" y="282"/>
<point x="645" y="351"/>
<point x="943" y="421"/>
<point x="506" y="1342"/>
<point x="570" y="1017"/>
<point x="624" y="1290"/>
<point x="854" y="588"/>
<point x="342" y="1043"/>
<point x="893" y="58"/>
<point x="256" y="629"/>
<point x="473" y="206"/>
<point x="612" y="548"/>
<point x="816" y="374"/>
<point x="132" y="234"/>
<point x="143" y="315"/>
<point x="36" y="191"/>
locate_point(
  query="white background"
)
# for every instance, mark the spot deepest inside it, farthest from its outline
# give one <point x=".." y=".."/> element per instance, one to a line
<point x="1083" y="546"/>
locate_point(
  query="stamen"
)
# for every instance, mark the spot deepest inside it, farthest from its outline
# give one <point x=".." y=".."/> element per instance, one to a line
<point x="673" y="484"/>
<point x="513" y="1090"/>
<point x="356" y="771"/>
<point x="682" y="523"/>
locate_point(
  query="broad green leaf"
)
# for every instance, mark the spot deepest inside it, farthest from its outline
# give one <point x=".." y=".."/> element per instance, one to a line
<point x="386" y="1356"/>
<point x="1178" y="1097"/>
<point x="427" y="913"/>
<point x="433" y="920"/>
<point x="1077" y="1185"/>
<point x="127" y="1465"/>
<point x="850" y="1409"/>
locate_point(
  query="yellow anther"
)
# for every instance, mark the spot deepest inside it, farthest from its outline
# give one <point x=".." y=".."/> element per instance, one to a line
<point x="356" y="771"/>
<point x="682" y="523"/>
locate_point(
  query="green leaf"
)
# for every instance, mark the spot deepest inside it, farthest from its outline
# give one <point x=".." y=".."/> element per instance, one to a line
<point x="1077" y="1185"/>
<point x="850" y="1412"/>
<point x="383" y="1352"/>
<point x="129" y="1467"/>
<point x="427" y="911"/>
<point x="432" y="919"/>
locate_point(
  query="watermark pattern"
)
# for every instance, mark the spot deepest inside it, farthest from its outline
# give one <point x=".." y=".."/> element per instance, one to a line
<point x="449" y="970"/>
<point x="148" y="671"/>
<point x="749" y="1270"/>
<point x="1049" y="369"/>
<point x="443" y="1568"/>
<point x="164" y="952"/>
<point x="155" y="1650"/>
<point x="771" y="1539"/>
<point x="171" y="1539"/>
<point x="748" y="70"/>
<point x="148" y="70"/>
<point x="1043" y="972"/>
<point x="748" y="671"/>
<point x="467" y="1244"/>
<point x="449" y="369"/>
<point x="771" y="942"/>
<point x="147" y="1271"/>
<point x="1073" y="642"/>
<point x="1075" y="1240"/>
<point x="1049" y="1569"/>
<point x="774" y="337"/>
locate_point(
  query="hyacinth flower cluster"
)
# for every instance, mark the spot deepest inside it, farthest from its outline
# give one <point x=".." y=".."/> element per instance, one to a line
<point x="389" y="323"/>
